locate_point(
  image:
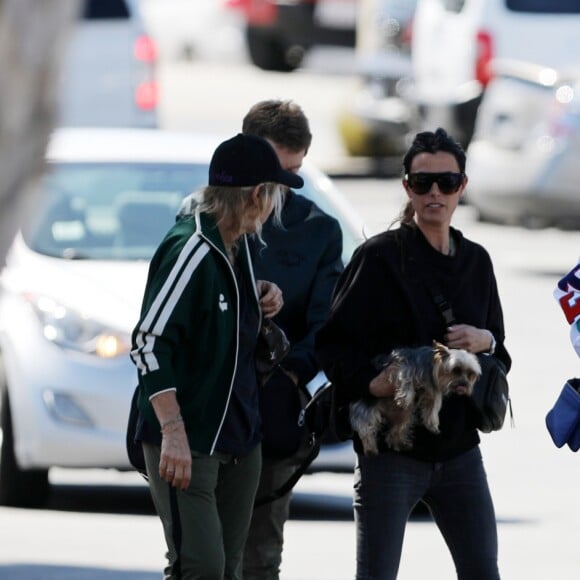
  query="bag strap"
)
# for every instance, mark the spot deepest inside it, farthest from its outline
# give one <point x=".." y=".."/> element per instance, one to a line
<point x="444" y="307"/>
<point x="439" y="299"/>
<point x="292" y="480"/>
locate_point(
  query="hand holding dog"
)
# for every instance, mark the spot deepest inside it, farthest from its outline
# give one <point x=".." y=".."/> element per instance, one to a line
<point x="468" y="338"/>
<point x="417" y="379"/>
<point x="381" y="385"/>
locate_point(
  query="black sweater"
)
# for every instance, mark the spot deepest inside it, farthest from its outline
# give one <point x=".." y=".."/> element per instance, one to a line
<point x="383" y="301"/>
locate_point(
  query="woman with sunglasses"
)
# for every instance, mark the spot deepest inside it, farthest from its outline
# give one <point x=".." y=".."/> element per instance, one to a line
<point x="389" y="296"/>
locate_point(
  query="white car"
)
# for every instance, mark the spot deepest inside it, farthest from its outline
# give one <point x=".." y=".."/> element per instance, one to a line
<point x="109" y="68"/>
<point x="72" y="289"/>
<point x="457" y="42"/>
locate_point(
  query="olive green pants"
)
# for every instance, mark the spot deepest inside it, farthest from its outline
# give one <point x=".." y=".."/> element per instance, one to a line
<point x="206" y="525"/>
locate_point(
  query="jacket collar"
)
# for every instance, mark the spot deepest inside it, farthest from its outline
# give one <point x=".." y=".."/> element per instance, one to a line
<point x="206" y="226"/>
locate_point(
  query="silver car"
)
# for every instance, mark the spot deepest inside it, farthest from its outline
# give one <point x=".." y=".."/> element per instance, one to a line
<point x="72" y="289"/>
<point x="523" y="160"/>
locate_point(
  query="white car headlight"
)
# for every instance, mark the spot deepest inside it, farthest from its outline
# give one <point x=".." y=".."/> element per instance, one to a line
<point x="72" y="330"/>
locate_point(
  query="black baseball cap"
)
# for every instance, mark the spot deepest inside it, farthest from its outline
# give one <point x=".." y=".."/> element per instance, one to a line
<point x="247" y="160"/>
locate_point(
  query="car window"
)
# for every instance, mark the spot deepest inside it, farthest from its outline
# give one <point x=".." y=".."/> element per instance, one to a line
<point x="105" y="10"/>
<point x="109" y="211"/>
<point x="545" y="6"/>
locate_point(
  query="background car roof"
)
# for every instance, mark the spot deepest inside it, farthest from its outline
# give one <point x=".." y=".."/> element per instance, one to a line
<point x="138" y="145"/>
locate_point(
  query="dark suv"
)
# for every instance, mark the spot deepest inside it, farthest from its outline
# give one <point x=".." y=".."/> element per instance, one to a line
<point x="280" y="32"/>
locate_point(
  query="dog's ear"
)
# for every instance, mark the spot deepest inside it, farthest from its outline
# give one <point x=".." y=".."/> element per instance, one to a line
<point x="440" y="350"/>
<point x="440" y="354"/>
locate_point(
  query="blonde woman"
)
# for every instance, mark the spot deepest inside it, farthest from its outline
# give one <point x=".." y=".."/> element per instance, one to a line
<point x="194" y="348"/>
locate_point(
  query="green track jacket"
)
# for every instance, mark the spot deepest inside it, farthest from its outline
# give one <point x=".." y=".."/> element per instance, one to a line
<point x="187" y="334"/>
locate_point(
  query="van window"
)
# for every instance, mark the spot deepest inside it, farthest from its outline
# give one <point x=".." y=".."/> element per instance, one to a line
<point x="105" y="10"/>
<point x="545" y="6"/>
<point x="454" y="5"/>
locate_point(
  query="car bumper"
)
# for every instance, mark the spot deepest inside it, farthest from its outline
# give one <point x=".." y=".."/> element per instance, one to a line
<point x="68" y="409"/>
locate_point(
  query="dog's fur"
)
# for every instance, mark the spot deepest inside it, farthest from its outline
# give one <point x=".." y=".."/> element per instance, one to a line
<point x="422" y="377"/>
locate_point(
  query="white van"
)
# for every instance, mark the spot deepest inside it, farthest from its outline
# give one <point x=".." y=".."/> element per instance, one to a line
<point x="109" y="69"/>
<point x="455" y="44"/>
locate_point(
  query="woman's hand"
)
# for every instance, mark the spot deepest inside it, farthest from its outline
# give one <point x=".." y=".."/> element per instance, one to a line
<point x="469" y="338"/>
<point x="271" y="300"/>
<point x="175" y="461"/>
<point x="381" y="385"/>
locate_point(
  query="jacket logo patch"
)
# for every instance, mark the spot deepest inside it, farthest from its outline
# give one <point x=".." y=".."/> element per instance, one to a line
<point x="222" y="303"/>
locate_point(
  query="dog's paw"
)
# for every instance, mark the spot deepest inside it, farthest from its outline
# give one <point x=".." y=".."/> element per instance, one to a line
<point x="431" y="422"/>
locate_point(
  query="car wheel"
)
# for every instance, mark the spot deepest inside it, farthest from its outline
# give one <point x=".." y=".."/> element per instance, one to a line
<point x="268" y="52"/>
<point x="18" y="488"/>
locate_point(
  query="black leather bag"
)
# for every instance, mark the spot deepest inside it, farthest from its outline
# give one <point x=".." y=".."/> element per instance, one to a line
<point x="281" y="401"/>
<point x="491" y="397"/>
<point x="310" y="429"/>
<point x="272" y="347"/>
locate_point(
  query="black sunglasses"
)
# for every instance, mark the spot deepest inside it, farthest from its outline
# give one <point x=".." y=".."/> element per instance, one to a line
<point x="447" y="182"/>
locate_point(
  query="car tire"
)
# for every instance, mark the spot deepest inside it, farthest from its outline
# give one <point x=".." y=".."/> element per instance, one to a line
<point x="18" y="487"/>
<point x="270" y="53"/>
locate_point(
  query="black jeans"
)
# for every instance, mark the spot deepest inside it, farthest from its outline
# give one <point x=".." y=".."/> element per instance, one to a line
<point x="387" y="487"/>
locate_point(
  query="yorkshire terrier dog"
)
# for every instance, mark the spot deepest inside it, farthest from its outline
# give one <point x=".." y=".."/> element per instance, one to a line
<point x="422" y="377"/>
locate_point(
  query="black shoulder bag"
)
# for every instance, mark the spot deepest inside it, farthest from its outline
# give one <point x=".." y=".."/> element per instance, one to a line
<point x="271" y="348"/>
<point x="313" y="422"/>
<point x="491" y="392"/>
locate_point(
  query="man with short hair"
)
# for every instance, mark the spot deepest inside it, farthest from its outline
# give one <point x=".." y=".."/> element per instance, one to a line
<point x="304" y="258"/>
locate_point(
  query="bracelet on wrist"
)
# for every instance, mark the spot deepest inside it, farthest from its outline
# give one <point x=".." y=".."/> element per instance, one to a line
<point x="178" y="419"/>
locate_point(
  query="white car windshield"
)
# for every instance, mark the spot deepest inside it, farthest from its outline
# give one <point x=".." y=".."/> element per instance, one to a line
<point x="121" y="211"/>
<point x="109" y="211"/>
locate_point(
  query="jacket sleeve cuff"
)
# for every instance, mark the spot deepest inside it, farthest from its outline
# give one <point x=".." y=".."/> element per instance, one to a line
<point x="157" y="382"/>
<point x="304" y="371"/>
<point x="162" y="391"/>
